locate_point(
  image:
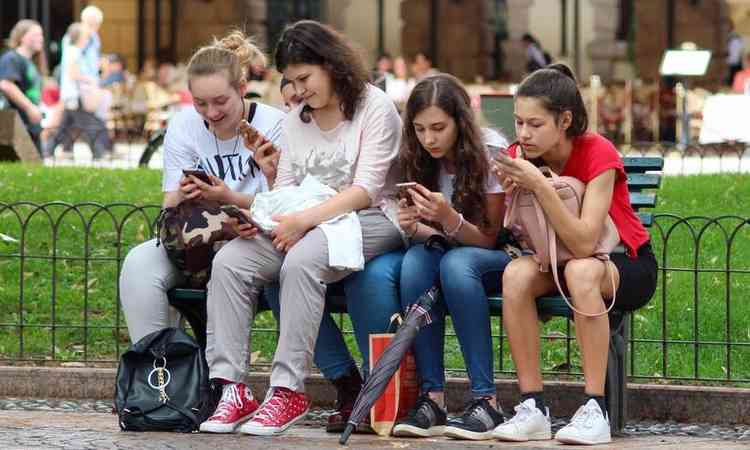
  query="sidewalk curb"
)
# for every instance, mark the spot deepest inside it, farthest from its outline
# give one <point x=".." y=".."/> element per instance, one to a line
<point x="645" y="401"/>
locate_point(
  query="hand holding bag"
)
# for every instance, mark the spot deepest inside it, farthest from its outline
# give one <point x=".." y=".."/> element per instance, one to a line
<point x="528" y="221"/>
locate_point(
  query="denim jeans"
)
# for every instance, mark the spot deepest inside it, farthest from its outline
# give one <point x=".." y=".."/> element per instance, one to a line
<point x="371" y="300"/>
<point x="465" y="275"/>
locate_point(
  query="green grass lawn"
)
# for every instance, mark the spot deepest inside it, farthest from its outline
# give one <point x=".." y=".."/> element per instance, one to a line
<point x="697" y="313"/>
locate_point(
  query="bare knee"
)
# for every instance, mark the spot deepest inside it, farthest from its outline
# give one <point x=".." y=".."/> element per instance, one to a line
<point x="518" y="280"/>
<point x="583" y="275"/>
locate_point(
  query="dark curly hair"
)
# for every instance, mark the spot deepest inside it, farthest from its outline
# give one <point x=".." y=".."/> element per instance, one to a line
<point x="311" y="42"/>
<point x="472" y="163"/>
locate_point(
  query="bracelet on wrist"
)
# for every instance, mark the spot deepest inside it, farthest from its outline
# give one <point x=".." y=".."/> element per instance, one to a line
<point x="452" y="233"/>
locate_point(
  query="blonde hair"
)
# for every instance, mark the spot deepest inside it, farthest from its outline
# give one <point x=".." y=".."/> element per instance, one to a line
<point x="16" y="35"/>
<point x="92" y="12"/>
<point x="233" y="53"/>
<point x="74" y="33"/>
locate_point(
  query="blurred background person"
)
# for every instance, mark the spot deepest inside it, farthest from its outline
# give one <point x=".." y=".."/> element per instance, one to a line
<point x="84" y="103"/>
<point x="536" y="57"/>
<point x="112" y="70"/>
<point x="399" y="86"/>
<point x="21" y="70"/>
<point x="422" y="67"/>
<point x="741" y="82"/>
<point x="735" y="49"/>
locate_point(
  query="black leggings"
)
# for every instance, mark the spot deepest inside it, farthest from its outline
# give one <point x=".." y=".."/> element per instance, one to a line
<point x="637" y="278"/>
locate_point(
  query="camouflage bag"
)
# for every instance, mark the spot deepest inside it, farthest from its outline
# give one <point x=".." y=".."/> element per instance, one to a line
<point x="192" y="232"/>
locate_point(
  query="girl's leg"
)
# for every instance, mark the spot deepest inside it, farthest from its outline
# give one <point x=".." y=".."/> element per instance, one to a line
<point x="331" y="355"/>
<point x="303" y="278"/>
<point x="420" y="271"/>
<point x="461" y="273"/>
<point x="372" y="299"/>
<point x="522" y="284"/>
<point x="146" y="276"/>
<point x="587" y="282"/>
<point x="239" y="272"/>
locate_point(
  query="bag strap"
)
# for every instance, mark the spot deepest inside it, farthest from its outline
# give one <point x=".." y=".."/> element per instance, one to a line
<point x="552" y="239"/>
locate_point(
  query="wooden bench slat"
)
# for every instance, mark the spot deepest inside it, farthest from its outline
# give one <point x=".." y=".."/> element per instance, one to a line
<point x="640" y="164"/>
<point x="642" y="200"/>
<point x="640" y="181"/>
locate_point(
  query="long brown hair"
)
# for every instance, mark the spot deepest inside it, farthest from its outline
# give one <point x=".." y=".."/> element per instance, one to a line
<point x="472" y="164"/>
<point x="311" y="42"/>
<point x="14" y="41"/>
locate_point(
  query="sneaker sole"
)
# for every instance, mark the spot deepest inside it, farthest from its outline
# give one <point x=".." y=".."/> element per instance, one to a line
<point x="572" y="440"/>
<point x="249" y="428"/>
<point x="224" y="428"/>
<point x="543" y="436"/>
<point x="412" y="431"/>
<point x="460" y="433"/>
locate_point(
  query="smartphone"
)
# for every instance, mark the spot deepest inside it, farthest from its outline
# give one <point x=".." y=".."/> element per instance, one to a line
<point x="497" y="152"/>
<point x="197" y="173"/>
<point x="250" y="135"/>
<point x="403" y="191"/>
<point x="242" y="218"/>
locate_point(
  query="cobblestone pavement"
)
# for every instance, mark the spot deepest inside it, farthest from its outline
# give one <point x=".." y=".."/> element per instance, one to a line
<point x="60" y="424"/>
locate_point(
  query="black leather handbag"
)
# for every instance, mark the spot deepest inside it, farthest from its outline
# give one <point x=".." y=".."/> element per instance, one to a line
<point x="162" y="384"/>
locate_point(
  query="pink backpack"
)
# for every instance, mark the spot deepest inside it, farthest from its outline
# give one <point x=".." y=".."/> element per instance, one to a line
<point x="528" y="222"/>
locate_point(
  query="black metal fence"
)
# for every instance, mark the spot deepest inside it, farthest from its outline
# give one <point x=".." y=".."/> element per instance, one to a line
<point x="59" y="265"/>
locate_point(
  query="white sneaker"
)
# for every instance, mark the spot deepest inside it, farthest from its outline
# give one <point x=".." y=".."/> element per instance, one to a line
<point x="588" y="426"/>
<point x="528" y="424"/>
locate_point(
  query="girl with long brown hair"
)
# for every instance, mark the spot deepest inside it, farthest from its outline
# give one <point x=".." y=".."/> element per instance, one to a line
<point x="444" y="152"/>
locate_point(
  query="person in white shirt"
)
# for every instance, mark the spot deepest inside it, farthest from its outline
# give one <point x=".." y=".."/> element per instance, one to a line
<point x="204" y="136"/>
<point x="456" y="196"/>
<point x="346" y="134"/>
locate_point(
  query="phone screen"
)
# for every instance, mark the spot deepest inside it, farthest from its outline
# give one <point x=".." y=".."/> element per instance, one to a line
<point x="497" y="152"/>
<point x="199" y="174"/>
<point x="403" y="191"/>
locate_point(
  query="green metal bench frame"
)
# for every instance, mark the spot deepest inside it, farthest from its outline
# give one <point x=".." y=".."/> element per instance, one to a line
<point x="192" y="302"/>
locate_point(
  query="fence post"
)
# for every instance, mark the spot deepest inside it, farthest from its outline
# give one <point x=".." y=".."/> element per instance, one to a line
<point x="595" y="85"/>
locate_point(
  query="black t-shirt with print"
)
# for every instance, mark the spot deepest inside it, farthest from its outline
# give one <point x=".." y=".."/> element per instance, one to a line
<point x="21" y="71"/>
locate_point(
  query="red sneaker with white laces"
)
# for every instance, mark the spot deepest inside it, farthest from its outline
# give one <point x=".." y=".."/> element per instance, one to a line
<point x="282" y="409"/>
<point x="236" y="406"/>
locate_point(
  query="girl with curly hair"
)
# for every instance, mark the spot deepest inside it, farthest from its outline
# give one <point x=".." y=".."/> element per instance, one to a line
<point x="346" y="134"/>
<point x="444" y="152"/>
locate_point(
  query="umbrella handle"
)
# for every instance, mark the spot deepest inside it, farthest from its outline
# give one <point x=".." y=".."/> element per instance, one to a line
<point x="345" y="435"/>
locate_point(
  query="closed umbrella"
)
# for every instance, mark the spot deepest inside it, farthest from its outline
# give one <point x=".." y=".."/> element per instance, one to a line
<point x="386" y="366"/>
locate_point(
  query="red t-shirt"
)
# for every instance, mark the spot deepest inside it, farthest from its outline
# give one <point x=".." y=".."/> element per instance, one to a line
<point x="591" y="156"/>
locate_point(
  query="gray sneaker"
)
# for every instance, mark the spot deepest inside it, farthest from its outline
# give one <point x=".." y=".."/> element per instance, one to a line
<point x="426" y="419"/>
<point x="476" y="423"/>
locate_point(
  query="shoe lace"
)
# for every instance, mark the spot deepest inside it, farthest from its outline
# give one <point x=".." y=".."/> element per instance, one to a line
<point x="230" y="398"/>
<point x="474" y="408"/>
<point x="523" y="410"/>
<point x="273" y="406"/>
<point x="422" y="404"/>
<point x="582" y="417"/>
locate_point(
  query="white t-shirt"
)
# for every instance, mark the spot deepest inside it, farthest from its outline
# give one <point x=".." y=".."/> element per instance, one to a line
<point x="189" y="144"/>
<point x="445" y="180"/>
<point x="357" y="152"/>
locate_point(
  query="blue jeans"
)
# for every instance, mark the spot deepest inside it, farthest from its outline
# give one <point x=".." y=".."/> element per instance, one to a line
<point x="371" y="300"/>
<point x="465" y="275"/>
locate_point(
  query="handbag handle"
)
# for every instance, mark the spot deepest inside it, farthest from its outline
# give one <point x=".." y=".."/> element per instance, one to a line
<point x="552" y="239"/>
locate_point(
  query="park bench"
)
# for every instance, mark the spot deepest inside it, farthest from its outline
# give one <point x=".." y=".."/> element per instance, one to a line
<point x="192" y="302"/>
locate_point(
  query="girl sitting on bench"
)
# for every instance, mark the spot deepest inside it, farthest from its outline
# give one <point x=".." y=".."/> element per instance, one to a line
<point x="551" y="125"/>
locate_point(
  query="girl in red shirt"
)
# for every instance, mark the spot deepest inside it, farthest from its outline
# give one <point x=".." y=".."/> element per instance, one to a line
<point x="551" y="125"/>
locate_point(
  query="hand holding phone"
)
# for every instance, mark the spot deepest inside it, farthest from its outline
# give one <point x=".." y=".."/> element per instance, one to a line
<point x="498" y="153"/>
<point x="199" y="174"/>
<point x="403" y="191"/>
<point x="242" y="218"/>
